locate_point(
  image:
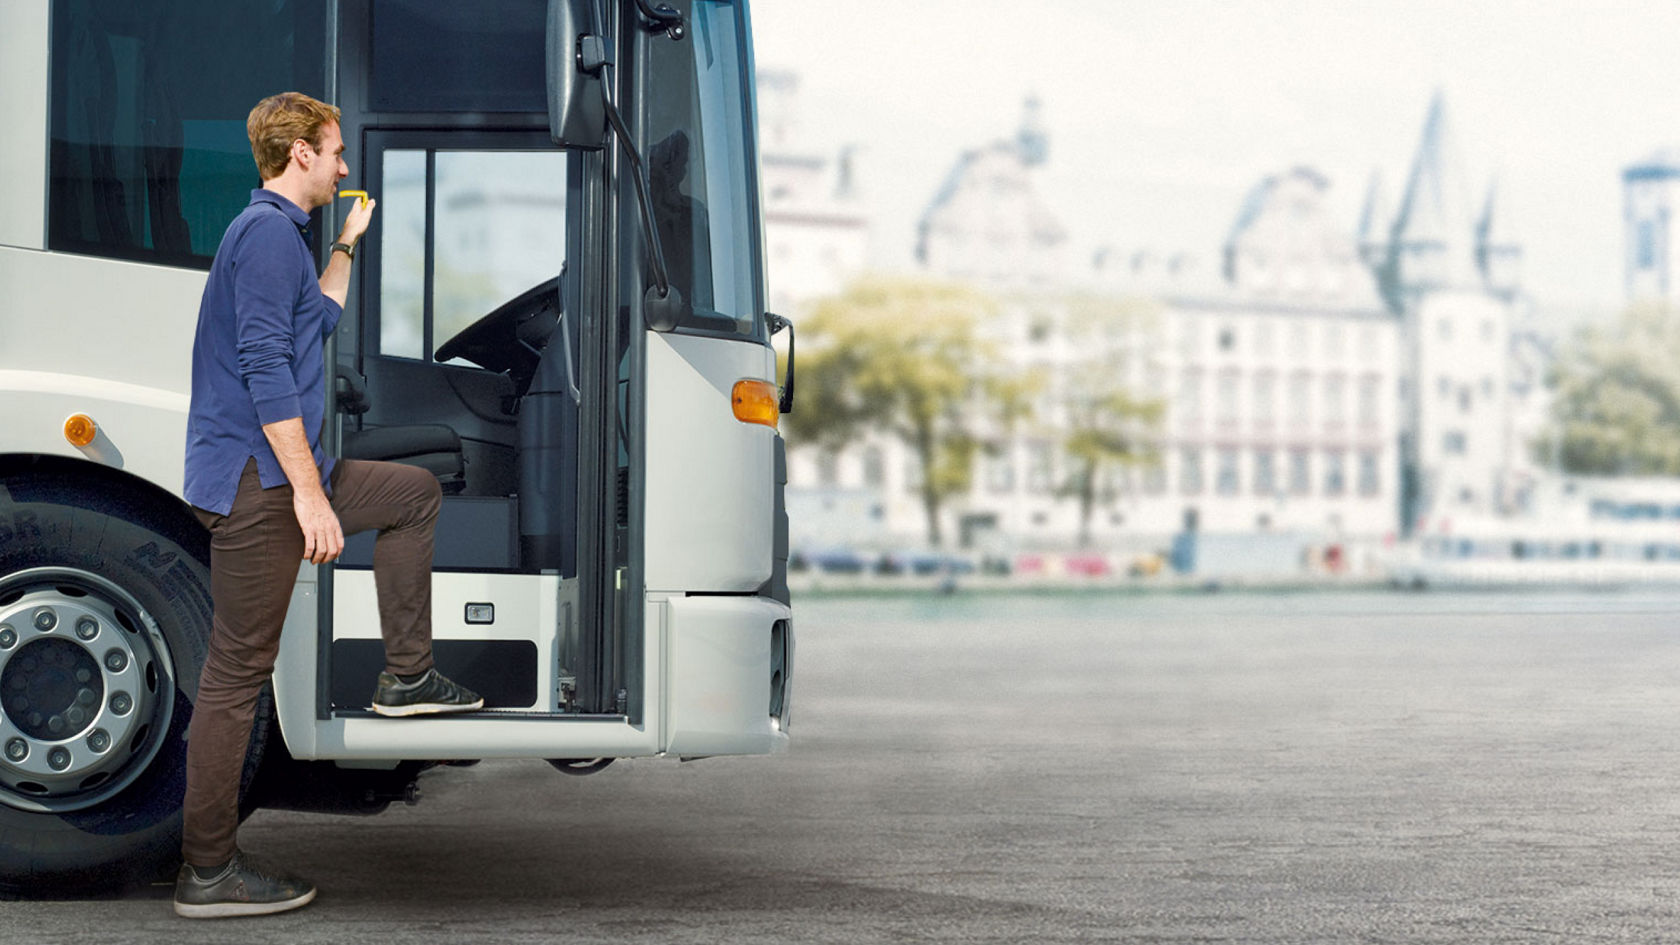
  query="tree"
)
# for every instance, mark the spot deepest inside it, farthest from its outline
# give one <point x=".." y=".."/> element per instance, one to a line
<point x="907" y="357"/>
<point x="1108" y="422"/>
<point x="1616" y="403"/>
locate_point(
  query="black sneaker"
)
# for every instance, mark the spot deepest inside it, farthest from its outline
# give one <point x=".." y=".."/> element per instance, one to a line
<point x="428" y="695"/>
<point x="243" y="887"/>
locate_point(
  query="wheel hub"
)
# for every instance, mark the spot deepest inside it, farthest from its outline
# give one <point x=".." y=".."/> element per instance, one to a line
<point x="52" y="689"/>
<point x="86" y="689"/>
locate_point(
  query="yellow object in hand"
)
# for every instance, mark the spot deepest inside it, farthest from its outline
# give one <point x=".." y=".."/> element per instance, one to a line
<point x="360" y="195"/>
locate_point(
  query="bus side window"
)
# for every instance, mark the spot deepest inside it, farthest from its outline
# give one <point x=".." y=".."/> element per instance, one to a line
<point x="149" y="157"/>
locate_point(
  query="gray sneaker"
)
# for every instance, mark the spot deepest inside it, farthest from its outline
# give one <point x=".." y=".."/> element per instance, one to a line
<point x="244" y="887"/>
<point x="430" y="694"/>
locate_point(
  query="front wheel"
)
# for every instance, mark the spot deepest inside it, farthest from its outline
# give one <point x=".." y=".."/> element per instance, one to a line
<point x="103" y="627"/>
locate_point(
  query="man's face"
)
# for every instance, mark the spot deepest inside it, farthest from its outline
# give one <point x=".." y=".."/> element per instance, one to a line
<point x="328" y="167"/>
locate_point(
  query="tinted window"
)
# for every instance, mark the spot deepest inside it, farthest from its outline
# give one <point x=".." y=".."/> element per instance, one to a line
<point x="448" y="56"/>
<point x="149" y="98"/>
<point x="701" y="169"/>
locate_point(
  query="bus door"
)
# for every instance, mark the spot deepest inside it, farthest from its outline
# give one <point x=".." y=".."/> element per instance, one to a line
<point x="468" y="369"/>
<point x="464" y="351"/>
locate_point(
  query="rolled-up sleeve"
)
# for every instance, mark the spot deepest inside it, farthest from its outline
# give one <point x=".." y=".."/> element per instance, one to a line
<point x="265" y="288"/>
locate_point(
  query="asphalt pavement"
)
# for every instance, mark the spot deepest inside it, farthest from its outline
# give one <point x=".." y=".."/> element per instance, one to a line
<point x="1371" y="767"/>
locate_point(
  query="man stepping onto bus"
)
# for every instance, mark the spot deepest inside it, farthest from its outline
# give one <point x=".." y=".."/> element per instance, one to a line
<point x="258" y="480"/>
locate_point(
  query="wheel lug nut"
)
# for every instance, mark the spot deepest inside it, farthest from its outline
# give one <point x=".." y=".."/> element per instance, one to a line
<point x="58" y="759"/>
<point x="116" y="661"/>
<point x="35" y="720"/>
<point x="99" y="740"/>
<point x="8" y="637"/>
<point x="20" y="705"/>
<point x="45" y="619"/>
<point x="121" y="703"/>
<point x="77" y="715"/>
<point x="55" y="725"/>
<point x="87" y="628"/>
<point x="86" y="697"/>
<point x="84" y="675"/>
<point x="17" y="749"/>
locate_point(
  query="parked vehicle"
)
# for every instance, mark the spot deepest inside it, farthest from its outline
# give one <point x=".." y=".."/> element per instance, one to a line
<point x="559" y="311"/>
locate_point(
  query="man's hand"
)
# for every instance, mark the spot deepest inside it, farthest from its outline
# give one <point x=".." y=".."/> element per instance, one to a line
<point x="323" y="537"/>
<point x="357" y="220"/>
<point x="335" y="280"/>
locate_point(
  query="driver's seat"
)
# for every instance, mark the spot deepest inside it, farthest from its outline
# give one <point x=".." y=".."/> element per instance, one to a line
<point x="430" y="446"/>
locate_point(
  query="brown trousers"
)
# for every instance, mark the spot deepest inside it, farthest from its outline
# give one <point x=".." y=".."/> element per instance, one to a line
<point x="255" y="551"/>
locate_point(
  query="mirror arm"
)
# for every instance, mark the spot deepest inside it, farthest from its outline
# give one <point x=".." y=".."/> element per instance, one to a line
<point x="662" y="17"/>
<point x="777" y="323"/>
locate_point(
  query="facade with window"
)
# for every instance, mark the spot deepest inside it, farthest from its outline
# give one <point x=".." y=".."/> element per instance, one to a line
<point x="816" y="240"/>
<point x="816" y="227"/>
<point x="1451" y="273"/>
<point x="1284" y="415"/>
<point x="1650" y="205"/>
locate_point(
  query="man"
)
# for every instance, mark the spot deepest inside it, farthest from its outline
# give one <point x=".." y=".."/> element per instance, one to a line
<point x="259" y="482"/>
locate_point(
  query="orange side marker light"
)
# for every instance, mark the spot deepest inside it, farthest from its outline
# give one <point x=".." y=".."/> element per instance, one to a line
<point x="755" y="402"/>
<point x="80" y="429"/>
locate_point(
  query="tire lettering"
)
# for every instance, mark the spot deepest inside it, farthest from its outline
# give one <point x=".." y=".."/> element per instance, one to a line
<point x="183" y="585"/>
<point x="24" y="526"/>
<point x="152" y="556"/>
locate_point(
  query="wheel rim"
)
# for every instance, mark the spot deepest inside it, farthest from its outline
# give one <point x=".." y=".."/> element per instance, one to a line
<point x="87" y="689"/>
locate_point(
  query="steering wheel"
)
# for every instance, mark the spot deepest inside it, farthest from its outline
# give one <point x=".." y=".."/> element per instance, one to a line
<point x="510" y="339"/>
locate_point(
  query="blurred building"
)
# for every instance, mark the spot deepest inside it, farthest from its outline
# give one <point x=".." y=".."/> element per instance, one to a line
<point x="987" y="224"/>
<point x="816" y="239"/>
<point x="1280" y="368"/>
<point x="1651" y="203"/>
<point x="1452" y="276"/>
<point x="816" y="228"/>
<point x="1326" y="380"/>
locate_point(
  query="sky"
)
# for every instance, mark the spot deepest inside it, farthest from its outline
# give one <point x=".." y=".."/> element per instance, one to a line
<point x="1162" y="116"/>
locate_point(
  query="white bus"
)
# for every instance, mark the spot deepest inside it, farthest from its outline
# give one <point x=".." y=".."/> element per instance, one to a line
<point x="558" y="310"/>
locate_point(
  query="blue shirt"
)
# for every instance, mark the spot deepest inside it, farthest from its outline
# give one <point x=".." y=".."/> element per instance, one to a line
<point x="257" y="354"/>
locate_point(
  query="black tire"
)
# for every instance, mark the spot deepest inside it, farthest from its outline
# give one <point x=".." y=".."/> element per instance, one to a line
<point x="133" y="836"/>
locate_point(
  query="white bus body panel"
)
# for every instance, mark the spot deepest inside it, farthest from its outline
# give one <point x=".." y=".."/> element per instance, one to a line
<point x="527" y="608"/>
<point x="135" y="385"/>
<point x="707" y="676"/>
<point x="25" y="37"/>
<point x="708" y="484"/>
<point x="126" y="321"/>
<point x="531" y="611"/>
<point x="718" y="649"/>
<point x="141" y="429"/>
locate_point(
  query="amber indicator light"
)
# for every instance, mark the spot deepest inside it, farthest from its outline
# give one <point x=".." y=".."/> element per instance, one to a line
<point x="755" y="402"/>
<point x="80" y="429"/>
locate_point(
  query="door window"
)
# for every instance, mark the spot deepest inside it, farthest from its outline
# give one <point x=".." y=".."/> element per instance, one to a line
<point x="461" y="232"/>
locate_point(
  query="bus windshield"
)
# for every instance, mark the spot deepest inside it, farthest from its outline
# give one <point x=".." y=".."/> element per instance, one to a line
<point x="700" y="170"/>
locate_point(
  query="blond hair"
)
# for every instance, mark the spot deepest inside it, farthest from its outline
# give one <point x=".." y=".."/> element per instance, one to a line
<point x="279" y="120"/>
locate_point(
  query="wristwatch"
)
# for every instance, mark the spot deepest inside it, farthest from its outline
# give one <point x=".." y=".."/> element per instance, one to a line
<point x="346" y="249"/>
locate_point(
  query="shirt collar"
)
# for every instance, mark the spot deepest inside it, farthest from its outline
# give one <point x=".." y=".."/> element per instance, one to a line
<point x="293" y="212"/>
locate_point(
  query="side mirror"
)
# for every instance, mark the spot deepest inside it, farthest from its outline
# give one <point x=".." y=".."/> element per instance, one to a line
<point x="576" y="52"/>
